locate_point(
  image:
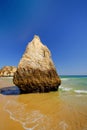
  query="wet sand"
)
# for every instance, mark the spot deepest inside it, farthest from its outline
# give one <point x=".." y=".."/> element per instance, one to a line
<point x="48" y="111"/>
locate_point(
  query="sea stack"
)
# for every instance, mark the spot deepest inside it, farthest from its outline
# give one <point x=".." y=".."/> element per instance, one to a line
<point x="36" y="71"/>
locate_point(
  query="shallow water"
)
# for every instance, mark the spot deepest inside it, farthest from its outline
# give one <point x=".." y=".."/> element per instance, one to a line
<point x="65" y="109"/>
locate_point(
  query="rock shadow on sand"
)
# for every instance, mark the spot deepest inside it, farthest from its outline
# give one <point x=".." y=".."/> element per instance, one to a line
<point x="13" y="90"/>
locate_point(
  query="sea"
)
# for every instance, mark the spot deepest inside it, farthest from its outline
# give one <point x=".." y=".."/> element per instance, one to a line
<point x="65" y="109"/>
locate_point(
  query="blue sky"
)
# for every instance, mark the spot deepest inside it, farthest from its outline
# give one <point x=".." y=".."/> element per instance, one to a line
<point x="61" y="25"/>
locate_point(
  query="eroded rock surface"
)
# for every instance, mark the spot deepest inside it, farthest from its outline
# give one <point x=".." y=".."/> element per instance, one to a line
<point x="7" y="71"/>
<point x="36" y="71"/>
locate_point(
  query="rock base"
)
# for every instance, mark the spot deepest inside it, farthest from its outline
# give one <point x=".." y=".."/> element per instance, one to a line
<point x="36" y="80"/>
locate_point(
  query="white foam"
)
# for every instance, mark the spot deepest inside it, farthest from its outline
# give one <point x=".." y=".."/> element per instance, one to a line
<point x="63" y="125"/>
<point x="64" y="79"/>
<point x="71" y="89"/>
<point x="29" y="120"/>
<point x="81" y="91"/>
<point x="65" y="89"/>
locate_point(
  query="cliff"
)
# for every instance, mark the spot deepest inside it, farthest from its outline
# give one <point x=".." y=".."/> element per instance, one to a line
<point x="7" y="71"/>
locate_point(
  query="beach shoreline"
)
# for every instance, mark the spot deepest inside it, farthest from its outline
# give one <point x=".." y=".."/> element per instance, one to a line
<point x="45" y="111"/>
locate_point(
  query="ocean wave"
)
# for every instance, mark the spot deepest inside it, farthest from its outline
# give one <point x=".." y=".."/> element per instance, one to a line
<point x="72" y="90"/>
<point x="81" y="91"/>
<point x="65" y="89"/>
<point x="64" y="79"/>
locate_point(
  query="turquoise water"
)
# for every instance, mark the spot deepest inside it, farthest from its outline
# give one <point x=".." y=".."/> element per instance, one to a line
<point x="74" y="84"/>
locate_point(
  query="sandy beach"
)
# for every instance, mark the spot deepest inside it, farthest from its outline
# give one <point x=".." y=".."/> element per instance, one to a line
<point x="48" y="111"/>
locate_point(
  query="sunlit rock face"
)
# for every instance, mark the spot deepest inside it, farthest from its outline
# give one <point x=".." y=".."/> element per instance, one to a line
<point x="36" y="71"/>
<point x="7" y="71"/>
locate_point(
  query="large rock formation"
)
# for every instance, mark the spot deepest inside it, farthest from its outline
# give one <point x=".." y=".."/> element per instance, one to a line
<point x="36" y="71"/>
<point x="7" y="71"/>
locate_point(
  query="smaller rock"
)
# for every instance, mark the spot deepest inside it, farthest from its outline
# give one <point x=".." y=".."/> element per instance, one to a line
<point x="7" y="71"/>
